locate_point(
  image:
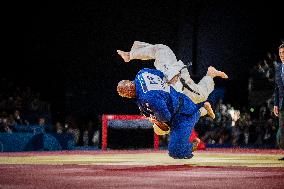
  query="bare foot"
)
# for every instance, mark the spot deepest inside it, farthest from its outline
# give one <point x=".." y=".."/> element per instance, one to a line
<point x="210" y="112"/>
<point x="215" y="73"/>
<point x="124" y="55"/>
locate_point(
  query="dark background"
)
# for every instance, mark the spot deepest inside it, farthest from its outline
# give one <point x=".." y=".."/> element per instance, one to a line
<point x="69" y="48"/>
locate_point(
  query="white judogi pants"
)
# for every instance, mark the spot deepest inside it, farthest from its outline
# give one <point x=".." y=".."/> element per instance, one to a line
<point x="166" y="62"/>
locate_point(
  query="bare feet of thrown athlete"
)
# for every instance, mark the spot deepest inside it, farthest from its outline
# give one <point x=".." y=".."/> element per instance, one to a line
<point x="124" y="55"/>
<point x="209" y="109"/>
<point x="212" y="72"/>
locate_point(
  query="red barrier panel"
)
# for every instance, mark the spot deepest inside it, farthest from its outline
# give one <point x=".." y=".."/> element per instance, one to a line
<point x="106" y="118"/>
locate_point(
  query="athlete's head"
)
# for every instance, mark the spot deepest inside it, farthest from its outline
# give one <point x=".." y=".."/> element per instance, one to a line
<point x="126" y="88"/>
<point x="281" y="53"/>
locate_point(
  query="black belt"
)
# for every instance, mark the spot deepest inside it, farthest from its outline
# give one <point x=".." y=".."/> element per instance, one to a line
<point x="184" y="85"/>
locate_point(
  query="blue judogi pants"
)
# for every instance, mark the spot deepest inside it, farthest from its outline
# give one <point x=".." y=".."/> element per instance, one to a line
<point x="181" y="127"/>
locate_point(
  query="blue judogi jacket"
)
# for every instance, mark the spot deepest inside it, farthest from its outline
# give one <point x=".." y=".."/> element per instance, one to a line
<point x="157" y="99"/>
<point x="160" y="101"/>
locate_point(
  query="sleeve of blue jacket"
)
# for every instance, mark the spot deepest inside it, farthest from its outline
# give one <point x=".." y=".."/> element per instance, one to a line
<point x="160" y="110"/>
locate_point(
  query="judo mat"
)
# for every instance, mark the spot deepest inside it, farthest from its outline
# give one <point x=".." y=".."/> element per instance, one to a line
<point x="212" y="168"/>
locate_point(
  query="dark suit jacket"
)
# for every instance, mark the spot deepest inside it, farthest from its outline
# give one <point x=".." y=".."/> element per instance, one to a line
<point x="279" y="86"/>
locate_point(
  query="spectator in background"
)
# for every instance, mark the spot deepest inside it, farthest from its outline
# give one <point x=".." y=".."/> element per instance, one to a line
<point x="5" y="126"/>
<point x="35" y="105"/>
<point x="263" y="112"/>
<point x="43" y="123"/>
<point x="260" y="70"/>
<point x="96" y="136"/>
<point x="76" y="133"/>
<point x="279" y="97"/>
<point x="220" y="107"/>
<point x="11" y="120"/>
<point x="211" y="136"/>
<point x="235" y="135"/>
<point x="17" y="118"/>
<point x="58" y="127"/>
<point x="243" y="124"/>
<point x="269" y="132"/>
<point x="72" y="128"/>
<point x="265" y="66"/>
<point x="91" y="134"/>
<point x="270" y="103"/>
<point x="271" y="60"/>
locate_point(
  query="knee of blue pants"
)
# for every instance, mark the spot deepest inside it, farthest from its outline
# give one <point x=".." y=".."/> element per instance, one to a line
<point x="180" y="151"/>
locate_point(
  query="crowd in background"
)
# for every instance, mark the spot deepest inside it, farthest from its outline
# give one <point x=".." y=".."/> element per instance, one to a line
<point x="264" y="69"/>
<point x="253" y="125"/>
<point x="22" y="106"/>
